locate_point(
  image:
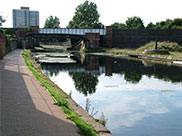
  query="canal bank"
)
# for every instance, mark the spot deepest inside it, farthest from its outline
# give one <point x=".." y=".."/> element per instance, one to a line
<point x="133" y="95"/>
<point x="87" y="124"/>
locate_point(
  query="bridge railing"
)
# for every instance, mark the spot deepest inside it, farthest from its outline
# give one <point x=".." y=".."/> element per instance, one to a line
<point x="71" y="31"/>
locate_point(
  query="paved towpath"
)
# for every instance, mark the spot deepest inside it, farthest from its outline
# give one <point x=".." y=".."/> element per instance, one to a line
<point x="26" y="108"/>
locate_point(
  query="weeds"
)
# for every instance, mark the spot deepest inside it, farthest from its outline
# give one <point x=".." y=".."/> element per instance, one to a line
<point x="103" y="120"/>
<point x="88" y="108"/>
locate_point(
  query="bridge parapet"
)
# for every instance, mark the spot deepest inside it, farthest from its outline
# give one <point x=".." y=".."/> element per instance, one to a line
<point x="71" y="31"/>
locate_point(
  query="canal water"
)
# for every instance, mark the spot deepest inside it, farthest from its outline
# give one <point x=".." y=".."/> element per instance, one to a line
<point x="137" y="98"/>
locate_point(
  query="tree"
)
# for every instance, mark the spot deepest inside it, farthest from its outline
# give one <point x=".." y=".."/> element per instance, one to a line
<point x="150" y="26"/>
<point x="52" y="22"/>
<point x="118" y="26"/>
<point x="2" y="20"/>
<point x="167" y="24"/>
<point x="176" y="23"/>
<point x="134" y="23"/>
<point x="86" y="16"/>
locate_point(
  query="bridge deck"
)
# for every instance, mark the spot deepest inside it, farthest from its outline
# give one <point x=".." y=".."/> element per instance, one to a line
<point x="71" y="31"/>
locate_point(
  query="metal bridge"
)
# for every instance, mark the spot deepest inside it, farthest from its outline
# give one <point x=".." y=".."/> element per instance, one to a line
<point x="66" y="31"/>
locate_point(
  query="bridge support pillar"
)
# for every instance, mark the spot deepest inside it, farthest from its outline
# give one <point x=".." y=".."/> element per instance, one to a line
<point x="109" y="37"/>
<point x="94" y="40"/>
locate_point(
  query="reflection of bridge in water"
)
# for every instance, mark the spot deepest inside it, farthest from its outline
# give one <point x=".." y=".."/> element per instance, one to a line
<point x="131" y="69"/>
<point x="56" y="68"/>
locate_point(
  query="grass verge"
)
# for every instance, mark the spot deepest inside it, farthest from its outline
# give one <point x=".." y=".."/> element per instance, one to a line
<point x="174" y="49"/>
<point x="84" y="128"/>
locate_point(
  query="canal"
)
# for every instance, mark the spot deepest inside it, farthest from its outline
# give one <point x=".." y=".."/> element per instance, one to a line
<point x="137" y="98"/>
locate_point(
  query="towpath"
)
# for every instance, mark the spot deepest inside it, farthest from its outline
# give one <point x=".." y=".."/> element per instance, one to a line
<point x="26" y="108"/>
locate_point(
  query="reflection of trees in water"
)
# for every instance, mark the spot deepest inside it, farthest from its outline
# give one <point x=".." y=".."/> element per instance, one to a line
<point x="132" y="77"/>
<point x="132" y="70"/>
<point x="85" y="82"/>
<point x="173" y="78"/>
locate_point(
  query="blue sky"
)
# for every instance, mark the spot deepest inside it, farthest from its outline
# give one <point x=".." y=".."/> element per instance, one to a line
<point x="110" y="11"/>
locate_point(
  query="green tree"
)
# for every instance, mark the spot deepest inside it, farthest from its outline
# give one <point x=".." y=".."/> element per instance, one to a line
<point x="167" y="24"/>
<point x="86" y="16"/>
<point x="2" y="20"/>
<point x="134" y="23"/>
<point x="114" y="26"/>
<point x="118" y="26"/>
<point x="52" y="22"/>
<point x="176" y="23"/>
<point x="150" y="26"/>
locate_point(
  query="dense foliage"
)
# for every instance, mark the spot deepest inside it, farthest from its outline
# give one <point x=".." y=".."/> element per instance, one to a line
<point x="86" y="16"/>
<point x="168" y="24"/>
<point x="52" y="22"/>
<point x="131" y="23"/>
<point x="134" y="23"/>
<point x="137" y="23"/>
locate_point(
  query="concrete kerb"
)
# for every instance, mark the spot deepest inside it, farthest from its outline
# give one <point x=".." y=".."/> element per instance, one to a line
<point x="102" y="130"/>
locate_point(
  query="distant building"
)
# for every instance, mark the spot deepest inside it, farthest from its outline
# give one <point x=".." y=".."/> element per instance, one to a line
<point x="24" y="17"/>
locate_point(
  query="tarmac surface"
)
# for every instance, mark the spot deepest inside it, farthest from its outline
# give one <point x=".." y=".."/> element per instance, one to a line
<point x="26" y="108"/>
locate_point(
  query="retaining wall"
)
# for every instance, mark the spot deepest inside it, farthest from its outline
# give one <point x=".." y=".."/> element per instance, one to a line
<point x="2" y="45"/>
<point x="134" y="38"/>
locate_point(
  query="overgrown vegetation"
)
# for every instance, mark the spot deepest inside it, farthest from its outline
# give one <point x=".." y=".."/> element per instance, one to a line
<point x="89" y="109"/>
<point x="174" y="49"/>
<point x="170" y="46"/>
<point x="59" y="95"/>
<point x="103" y="120"/>
<point x="137" y="23"/>
<point x="167" y="24"/>
<point x="10" y="34"/>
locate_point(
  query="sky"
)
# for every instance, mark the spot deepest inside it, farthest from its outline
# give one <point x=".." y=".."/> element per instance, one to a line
<point x="111" y="11"/>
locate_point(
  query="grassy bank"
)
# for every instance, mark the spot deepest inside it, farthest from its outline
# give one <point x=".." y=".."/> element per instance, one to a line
<point x="175" y="50"/>
<point x="59" y="95"/>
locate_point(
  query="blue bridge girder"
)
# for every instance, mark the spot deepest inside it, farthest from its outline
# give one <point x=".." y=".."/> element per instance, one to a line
<point x="67" y="31"/>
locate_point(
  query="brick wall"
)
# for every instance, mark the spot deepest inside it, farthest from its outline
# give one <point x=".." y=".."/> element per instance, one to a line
<point x="94" y="39"/>
<point x="127" y="38"/>
<point x="2" y="45"/>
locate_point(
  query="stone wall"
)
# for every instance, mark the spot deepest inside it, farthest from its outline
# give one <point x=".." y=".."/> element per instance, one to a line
<point x="2" y="45"/>
<point x="134" y="38"/>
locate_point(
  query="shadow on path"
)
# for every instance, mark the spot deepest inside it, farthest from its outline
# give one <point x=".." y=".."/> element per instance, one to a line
<point x="24" y="110"/>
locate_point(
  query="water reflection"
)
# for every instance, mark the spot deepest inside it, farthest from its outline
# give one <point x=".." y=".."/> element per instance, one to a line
<point x="131" y="69"/>
<point x="132" y="77"/>
<point x="85" y="82"/>
<point x="137" y="98"/>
